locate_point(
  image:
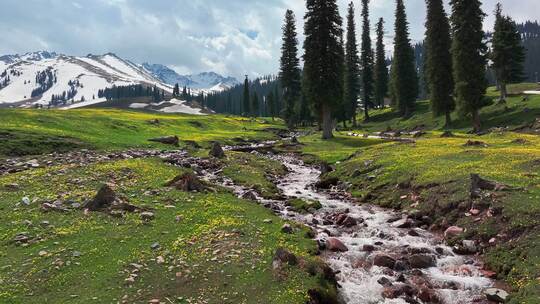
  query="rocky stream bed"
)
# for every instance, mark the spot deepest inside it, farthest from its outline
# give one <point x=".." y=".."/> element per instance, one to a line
<point x="378" y="255"/>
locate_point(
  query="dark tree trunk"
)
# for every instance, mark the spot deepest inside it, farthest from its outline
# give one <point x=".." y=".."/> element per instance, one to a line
<point x="327" y="122"/>
<point x="477" y="124"/>
<point x="366" y="112"/>
<point x="504" y="93"/>
<point x="448" y="120"/>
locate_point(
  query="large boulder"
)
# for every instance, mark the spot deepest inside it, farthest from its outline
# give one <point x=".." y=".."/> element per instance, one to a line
<point x="336" y="245"/>
<point x="187" y="182"/>
<point x="283" y="256"/>
<point x="478" y="184"/>
<point x="105" y="197"/>
<point x="453" y="232"/>
<point x="496" y="295"/>
<point x="216" y="150"/>
<point x="382" y="260"/>
<point x="249" y="195"/>
<point x="346" y="220"/>
<point x="327" y="183"/>
<point x="420" y="261"/>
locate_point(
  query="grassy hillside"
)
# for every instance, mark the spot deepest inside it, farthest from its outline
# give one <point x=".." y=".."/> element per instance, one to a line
<point x="212" y="246"/>
<point x="37" y="131"/>
<point x="513" y="114"/>
<point x="432" y="177"/>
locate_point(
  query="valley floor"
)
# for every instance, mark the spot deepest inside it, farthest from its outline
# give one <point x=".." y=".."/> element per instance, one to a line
<point x="211" y="247"/>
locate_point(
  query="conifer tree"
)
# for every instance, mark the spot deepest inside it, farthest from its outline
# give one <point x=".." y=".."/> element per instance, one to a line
<point x="352" y="68"/>
<point x="255" y="105"/>
<point x="381" y="70"/>
<point x="438" y="65"/>
<point x="229" y="107"/>
<point x="290" y="69"/>
<point x="508" y="53"/>
<point x="324" y="60"/>
<point x="246" y="109"/>
<point x="469" y="60"/>
<point x="404" y="78"/>
<point x="366" y="61"/>
<point x="271" y="104"/>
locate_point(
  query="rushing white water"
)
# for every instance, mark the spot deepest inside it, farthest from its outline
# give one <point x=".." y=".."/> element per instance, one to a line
<point x="455" y="279"/>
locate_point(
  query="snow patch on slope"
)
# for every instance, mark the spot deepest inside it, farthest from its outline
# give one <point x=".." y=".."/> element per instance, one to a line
<point x="180" y="106"/>
<point x="94" y="73"/>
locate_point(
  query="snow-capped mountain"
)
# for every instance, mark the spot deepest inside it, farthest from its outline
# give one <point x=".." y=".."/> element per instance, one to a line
<point x="207" y="81"/>
<point x="34" y="78"/>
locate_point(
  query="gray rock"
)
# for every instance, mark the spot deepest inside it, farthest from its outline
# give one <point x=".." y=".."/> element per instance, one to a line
<point x="422" y="261"/>
<point x="336" y="245"/>
<point x="26" y="200"/>
<point x="217" y="151"/>
<point x="283" y="256"/>
<point x="250" y="195"/>
<point x="384" y="281"/>
<point x="382" y="260"/>
<point x="470" y="246"/>
<point x="155" y="246"/>
<point x="403" y="223"/>
<point x="147" y="216"/>
<point x="496" y="295"/>
<point x="287" y="229"/>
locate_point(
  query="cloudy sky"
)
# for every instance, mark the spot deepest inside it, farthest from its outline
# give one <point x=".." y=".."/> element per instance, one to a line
<point x="232" y="37"/>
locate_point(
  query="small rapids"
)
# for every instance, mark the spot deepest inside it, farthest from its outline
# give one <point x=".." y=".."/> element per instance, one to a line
<point x="455" y="279"/>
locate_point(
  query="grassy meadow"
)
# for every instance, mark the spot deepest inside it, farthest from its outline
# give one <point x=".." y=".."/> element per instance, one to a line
<point x="432" y="177"/>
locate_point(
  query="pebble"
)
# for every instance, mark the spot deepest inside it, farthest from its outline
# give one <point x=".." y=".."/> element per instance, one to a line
<point x="26" y="200"/>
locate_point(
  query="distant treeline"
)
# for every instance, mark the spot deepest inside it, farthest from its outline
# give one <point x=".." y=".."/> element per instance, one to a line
<point x="530" y="32"/>
<point x="231" y="101"/>
<point x="130" y="91"/>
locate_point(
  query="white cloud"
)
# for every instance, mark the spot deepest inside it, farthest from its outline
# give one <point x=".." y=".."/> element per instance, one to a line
<point x="234" y="37"/>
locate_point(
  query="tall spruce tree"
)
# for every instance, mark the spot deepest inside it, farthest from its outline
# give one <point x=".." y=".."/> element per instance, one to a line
<point x="246" y="111"/>
<point x="271" y="105"/>
<point x="404" y="78"/>
<point x="352" y="68"/>
<point x="438" y="65"/>
<point x="508" y="53"/>
<point x="290" y="69"/>
<point x="366" y="61"/>
<point x="381" y="70"/>
<point x="324" y="60"/>
<point x="255" y="105"/>
<point x="469" y="60"/>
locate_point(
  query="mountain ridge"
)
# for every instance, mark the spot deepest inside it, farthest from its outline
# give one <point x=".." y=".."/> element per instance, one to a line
<point x="36" y="78"/>
<point x="203" y="80"/>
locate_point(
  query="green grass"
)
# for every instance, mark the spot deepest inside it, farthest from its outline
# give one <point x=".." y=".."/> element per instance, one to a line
<point x="438" y="170"/>
<point x="436" y="173"/>
<point x="210" y="222"/>
<point x="23" y="130"/>
<point x="303" y="206"/>
<point x="253" y="172"/>
<point x="511" y="115"/>
<point x="335" y="149"/>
